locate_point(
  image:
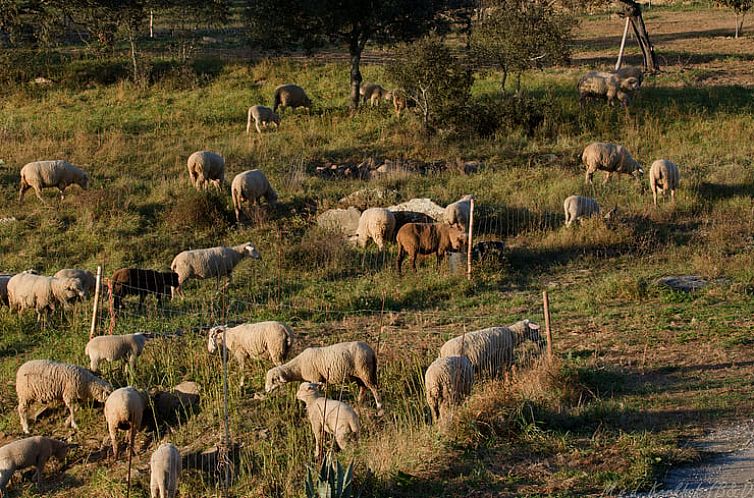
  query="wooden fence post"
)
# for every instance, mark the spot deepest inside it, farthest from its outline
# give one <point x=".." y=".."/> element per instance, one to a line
<point x="95" y="307"/>
<point x="471" y="235"/>
<point x="622" y="45"/>
<point x="548" y="331"/>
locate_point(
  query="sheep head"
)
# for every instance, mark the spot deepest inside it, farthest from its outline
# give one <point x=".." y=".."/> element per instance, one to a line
<point x="215" y="338"/>
<point x="275" y="378"/>
<point x="630" y="84"/>
<point x="84" y="181"/>
<point x="251" y="251"/>
<point x="308" y="390"/>
<point x="100" y="389"/>
<point x="457" y="237"/>
<point x="59" y="449"/>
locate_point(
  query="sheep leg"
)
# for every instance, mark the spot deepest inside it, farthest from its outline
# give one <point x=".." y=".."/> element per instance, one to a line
<point x="376" y="396"/>
<point x="589" y="177"/>
<point x="654" y="196"/>
<point x="113" y="430"/>
<point x="71" y="407"/>
<point x="341" y="439"/>
<point x="317" y="429"/>
<point x="62" y="191"/>
<point x="256" y="124"/>
<point x="38" y="192"/>
<point x="672" y="196"/>
<point x="5" y="475"/>
<point x="22" y="414"/>
<point x="607" y="177"/>
<point x="22" y="191"/>
<point x="412" y="259"/>
<point x="39" y="412"/>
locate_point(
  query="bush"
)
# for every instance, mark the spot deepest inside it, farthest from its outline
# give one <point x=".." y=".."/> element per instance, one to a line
<point x="506" y="111"/>
<point x="207" y="209"/>
<point x="96" y="71"/>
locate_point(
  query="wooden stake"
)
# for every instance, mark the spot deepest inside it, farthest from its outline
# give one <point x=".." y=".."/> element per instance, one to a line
<point x="471" y="235"/>
<point x="95" y="308"/>
<point x="622" y="44"/>
<point x="151" y="24"/>
<point x="548" y="331"/>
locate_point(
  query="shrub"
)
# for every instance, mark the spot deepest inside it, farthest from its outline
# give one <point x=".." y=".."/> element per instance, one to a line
<point x="207" y="209"/>
<point x="96" y="71"/>
<point x="506" y="111"/>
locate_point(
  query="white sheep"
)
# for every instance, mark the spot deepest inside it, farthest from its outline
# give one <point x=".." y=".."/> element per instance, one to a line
<point x="372" y="92"/>
<point x="377" y="224"/>
<point x="577" y="206"/>
<point x="610" y="86"/>
<point x="87" y="278"/>
<point x="254" y="341"/>
<point x="213" y="262"/>
<point x="663" y="176"/>
<point x="251" y="186"/>
<point x="490" y="350"/>
<point x="457" y="213"/>
<point x="4" y="279"/>
<point x="44" y="174"/>
<point x="115" y="347"/>
<point x="45" y="381"/>
<point x="328" y="415"/>
<point x="292" y="96"/>
<point x="610" y="158"/>
<point x="334" y="364"/>
<point x="205" y="168"/>
<point x="124" y="409"/>
<point x="42" y="294"/>
<point x="165" y="465"/>
<point x="448" y="380"/>
<point x="29" y="452"/>
<point x="261" y="115"/>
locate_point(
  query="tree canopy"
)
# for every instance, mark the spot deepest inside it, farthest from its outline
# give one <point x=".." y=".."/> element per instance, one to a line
<point x="740" y="7"/>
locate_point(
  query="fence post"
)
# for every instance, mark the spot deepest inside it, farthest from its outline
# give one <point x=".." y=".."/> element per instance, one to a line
<point x="151" y="24"/>
<point x="622" y="45"/>
<point x="95" y="308"/>
<point x="548" y="331"/>
<point x="471" y="235"/>
<point x="226" y="420"/>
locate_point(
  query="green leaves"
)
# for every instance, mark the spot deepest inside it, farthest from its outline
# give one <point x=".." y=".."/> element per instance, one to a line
<point x="332" y="481"/>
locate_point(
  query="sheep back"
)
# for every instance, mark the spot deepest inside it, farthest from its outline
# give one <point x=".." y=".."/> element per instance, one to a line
<point x="56" y="173"/>
<point x="205" y="166"/>
<point x="457" y="213"/>
<point x="251" y="186"/>
<point x="46" y="381"/>
<point x="377" y="224"/>
<point x="664" y="175"/>
<point x="577" y="206"/>
<point x="448" y="380"/>
<point x="87" y="278"/>
<point x="609" y="157"/>
<point x="255" y="340"/>
<point x="115" y="347"/>
<point x="290" y="95"/>
<point x="41" y="293"/>
<point x="212" y="262"/>
<point x="165" y="465"/>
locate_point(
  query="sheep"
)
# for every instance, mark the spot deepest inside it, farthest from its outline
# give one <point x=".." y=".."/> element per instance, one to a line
<point x="213" y="262"/>
<point x="457" y="213"/>
<point x="597" y="84"/>
<point x="124" y="409"/>
<point x="427" y="238"/>
<point x="400" y="100"/>
<point x="490" y="350"/>
<point x="332" y="364"/>
<point x="253" y="340"/>
<point x="261" y="114"/>
<point x="28" y="452"/>
<point x="576" y="207"/>
<point x="448" y="381"/>
<point x="663" y="176"/>
<point x="46" y="380"/>
<point x="44" y="174"/>
<point x="630" y="72"/>
<point x="205" y="168"/>
<point x="373" y="92"/>
<point x="610" y="158"/>
<point x="41" y="293"/>
<point x="165" y="465"/>
<point x="87" y="278"/>
<point x="290" y="95"/>
<point x="181" y="401"/>
<point x="251" y="186"/>
<point x="4" y="279"/>
<point x="141" y="282"/>
<point x="113" y="348"/>
<point x="377" y="224"/>
<point x="328" y="415"/>
<point x="487" y="250"/>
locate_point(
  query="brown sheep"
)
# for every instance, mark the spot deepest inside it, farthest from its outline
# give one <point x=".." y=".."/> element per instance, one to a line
<point x="427" y="238"/>
<point x="141" y="282"/>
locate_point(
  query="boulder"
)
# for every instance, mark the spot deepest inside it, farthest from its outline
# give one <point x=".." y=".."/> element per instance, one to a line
<point x="345" y="221"/>
<point x="685" y="283"/>
<point x="423" y="206"/>
<point x="368" y="197"/>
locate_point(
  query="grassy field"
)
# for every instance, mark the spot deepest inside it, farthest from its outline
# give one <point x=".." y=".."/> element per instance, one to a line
<point x="638" y="370"/>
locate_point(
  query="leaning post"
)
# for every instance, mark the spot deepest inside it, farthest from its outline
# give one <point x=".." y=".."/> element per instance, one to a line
<point x="548" y="331"/>
<point x="95" y="307"/>
<point x="469" y="242"/>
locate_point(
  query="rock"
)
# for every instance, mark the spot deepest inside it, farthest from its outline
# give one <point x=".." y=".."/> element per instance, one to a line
<point x="369" y="197"/>
<point x="345" y="221"/>
<point x="424" y="206"/>
<point x="686" y="283"/>
<point x="390" y="169"/>
<point x="41" y="81"/>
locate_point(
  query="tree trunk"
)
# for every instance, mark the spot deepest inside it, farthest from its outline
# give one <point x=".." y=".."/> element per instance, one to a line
<point x="632" y="10"/>
<point x="504" y="79"/>
<point x="740" y="24"/>
<point x="355" y="52"/>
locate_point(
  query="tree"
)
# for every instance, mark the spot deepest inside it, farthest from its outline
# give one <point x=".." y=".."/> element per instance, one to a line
<point x="740" y="7"/>
<point x="519" y="35"/>
<point x="354" y="23"/>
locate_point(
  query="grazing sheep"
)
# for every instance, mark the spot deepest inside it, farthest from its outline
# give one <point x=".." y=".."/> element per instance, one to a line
<point x="334" y="364"/>
<point x="43" y="294"/>
<point x="166" y="469"/>
<point x="457" y="213"/>
<point x="377" y="224"/>
<point x="31" y="451"/>
<point x="251" y="186"/>
<point x="4" y="279"/>
<point x="630" y="72"/>
<point x="141" y="282"/>
<point x="124" y="410"/>
<point x="87" y="278"/>
<point x="610" y="158"/>
<point x="663" y="176"/>
<point x="292" y="96"/>
<point x="487" y="250"/>
<point x="373" y="92"/>
<point x="261" y="114"/>
<point x="490" y="350"/>
<point x="114" y="348"/>
<point x="253" y="340"/>
<point x="45" y="381"/>
<point x="427" y="238"/>
<point x="577" y="206"/>
<point x="213" y="262"/>
<point x="44" y="174"/>
<point x="177" y="404"/>
<point x="597" y="84"/>
<point x="328" y="415"/>
<point x="205" y="168"/>
<point x="400" y="100"/>
<point x="448" y="381"/>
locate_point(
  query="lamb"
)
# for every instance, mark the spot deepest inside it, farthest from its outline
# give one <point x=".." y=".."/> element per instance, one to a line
<point x="334" y="364"/>
<point x="43" y="294"/>
<point x="4" y="279"/>
<point x="87" y="278"/>
<point x="44" y="174"/>
<point x="166" y="469"/>
<point x="448" y="381"/>
<point x="576" y="207"/>
<point x="141" y="282"/>
<point x="253" y="340"/>
<point x="124" y="410"/>
<point x="213" y="262"/>
<point x="115" y="347"/>
<point x="490" y="350"/>
<point x="261" y="114"/>
<point x="457" y="213"/>
<point x="251" y="186"/>
<point x="373" y="92"/>
<point x="610" y="158"/>
<point x="46" y="381"/>
<point x="597" y="84"/>
<point x="292" y="96"/>
<point x="427" y="238"/>
<point x="205" y="168"/>
<point x="664" y="176"/>
<point x="328" y="415"/>
<point x="28" y="452"/>
<point x="377" y="224"/>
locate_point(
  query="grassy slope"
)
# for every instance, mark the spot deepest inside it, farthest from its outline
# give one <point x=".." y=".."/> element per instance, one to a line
<point x="640" y="365"/>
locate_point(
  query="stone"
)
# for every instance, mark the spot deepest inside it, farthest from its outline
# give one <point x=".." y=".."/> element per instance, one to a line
<point x="345" y="221"/>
